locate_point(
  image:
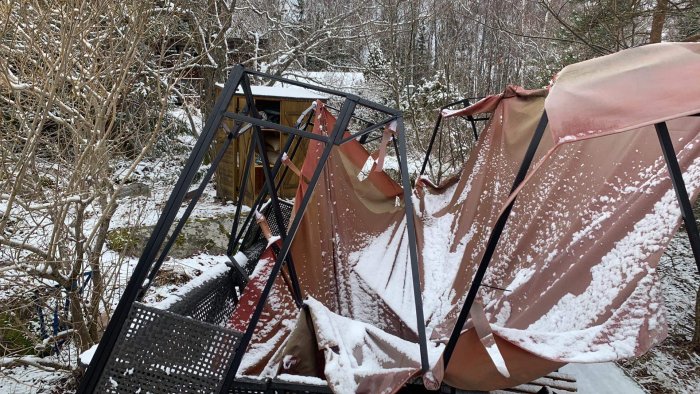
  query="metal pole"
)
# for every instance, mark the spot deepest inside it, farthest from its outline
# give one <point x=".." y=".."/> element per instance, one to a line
<point x="263" y="193"/>
<point x="473" y="123"/>
<point x="364" y="133"/>
<point x="436" y="128"/>
<point x="396" y="150"/>
<point x="470" y="118"/>
<point x="412" y="243"/>
<point x="269" y="181"/>
<point x="88" y="384"/>
<point x="340" y="126"/>
<point x="272" y="125"/>
<point x="292" y="140"/>
<point x="241" y="196"/>
<point x="494" y="237"/>
<point x="674" y="170"/>
<point x="188" y="211"/>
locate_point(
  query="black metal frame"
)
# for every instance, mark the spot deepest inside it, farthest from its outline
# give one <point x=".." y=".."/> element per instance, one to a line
<point x="151" y="260"/>
<point x="438" y="122"/>
<point x="678" y="185"/>
<point x="674" y="169"/>
<point x="153" y="257"/>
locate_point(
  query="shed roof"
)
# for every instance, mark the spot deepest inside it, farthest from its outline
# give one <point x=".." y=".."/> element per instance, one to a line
<point x="291" y="92"/>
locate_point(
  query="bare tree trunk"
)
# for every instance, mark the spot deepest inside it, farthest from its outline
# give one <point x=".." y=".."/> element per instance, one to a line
<point x="77" y="319"/>
<point x="657" y="23"/>
<point x="218" y="52"/>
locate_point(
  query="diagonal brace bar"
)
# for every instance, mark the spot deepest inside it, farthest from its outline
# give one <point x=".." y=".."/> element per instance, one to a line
<point x="493" y="241"/>
<point x="674" y="170"/>
<point x="301" y="124"/>
<point x="270" y="183"/>
<point x="242" y="190"/>
<point x="412" y="248"/>
<point x="271" y="125"/>
<point x="89" y="382"/>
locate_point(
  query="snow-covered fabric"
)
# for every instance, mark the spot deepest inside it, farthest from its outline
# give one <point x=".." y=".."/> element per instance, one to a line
<point x="573" y="278"/>
<point x="578" y="256"/>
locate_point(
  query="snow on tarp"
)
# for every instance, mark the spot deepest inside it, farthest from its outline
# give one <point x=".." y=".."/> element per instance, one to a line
<point x="355" y="356"/>
<point x="577" y="259"/>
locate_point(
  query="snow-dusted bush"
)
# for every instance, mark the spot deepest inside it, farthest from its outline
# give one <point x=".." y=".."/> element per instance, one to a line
<point x="85" y="90"/>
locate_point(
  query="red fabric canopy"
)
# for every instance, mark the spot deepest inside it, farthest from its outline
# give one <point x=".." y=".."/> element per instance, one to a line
<point x="573" y="278"/>
<point x="624" y="91"/>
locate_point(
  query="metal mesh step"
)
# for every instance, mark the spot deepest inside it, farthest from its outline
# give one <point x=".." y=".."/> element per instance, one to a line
<point x="254" y="243"/>
<point x="161" y="352"/>
<point x="212" y="302"/>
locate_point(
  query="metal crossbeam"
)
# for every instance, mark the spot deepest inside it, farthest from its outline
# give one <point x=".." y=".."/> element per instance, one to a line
<point x="151" y="261"/>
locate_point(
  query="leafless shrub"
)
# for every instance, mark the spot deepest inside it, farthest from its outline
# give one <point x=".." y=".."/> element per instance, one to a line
<point x="81" y="83"/>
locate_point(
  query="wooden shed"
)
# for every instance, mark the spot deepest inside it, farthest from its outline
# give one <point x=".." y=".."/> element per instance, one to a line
<point x="281" y="105"/>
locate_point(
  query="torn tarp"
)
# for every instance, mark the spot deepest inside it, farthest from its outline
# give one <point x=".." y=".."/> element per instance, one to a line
<point x="573" y="278"/>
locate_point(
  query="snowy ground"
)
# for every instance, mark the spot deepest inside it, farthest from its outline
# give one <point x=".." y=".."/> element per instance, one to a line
<point x="672" y="367"/>
<point x="27" y="380"/>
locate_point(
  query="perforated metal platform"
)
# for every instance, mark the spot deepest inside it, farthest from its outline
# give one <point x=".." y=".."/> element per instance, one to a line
<point x="274" y="386"/>
<point x="254" y="243"/>
<point x="187" y="349"/>
<point x="212" y="302"/>
<point x="161" y="352"/>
